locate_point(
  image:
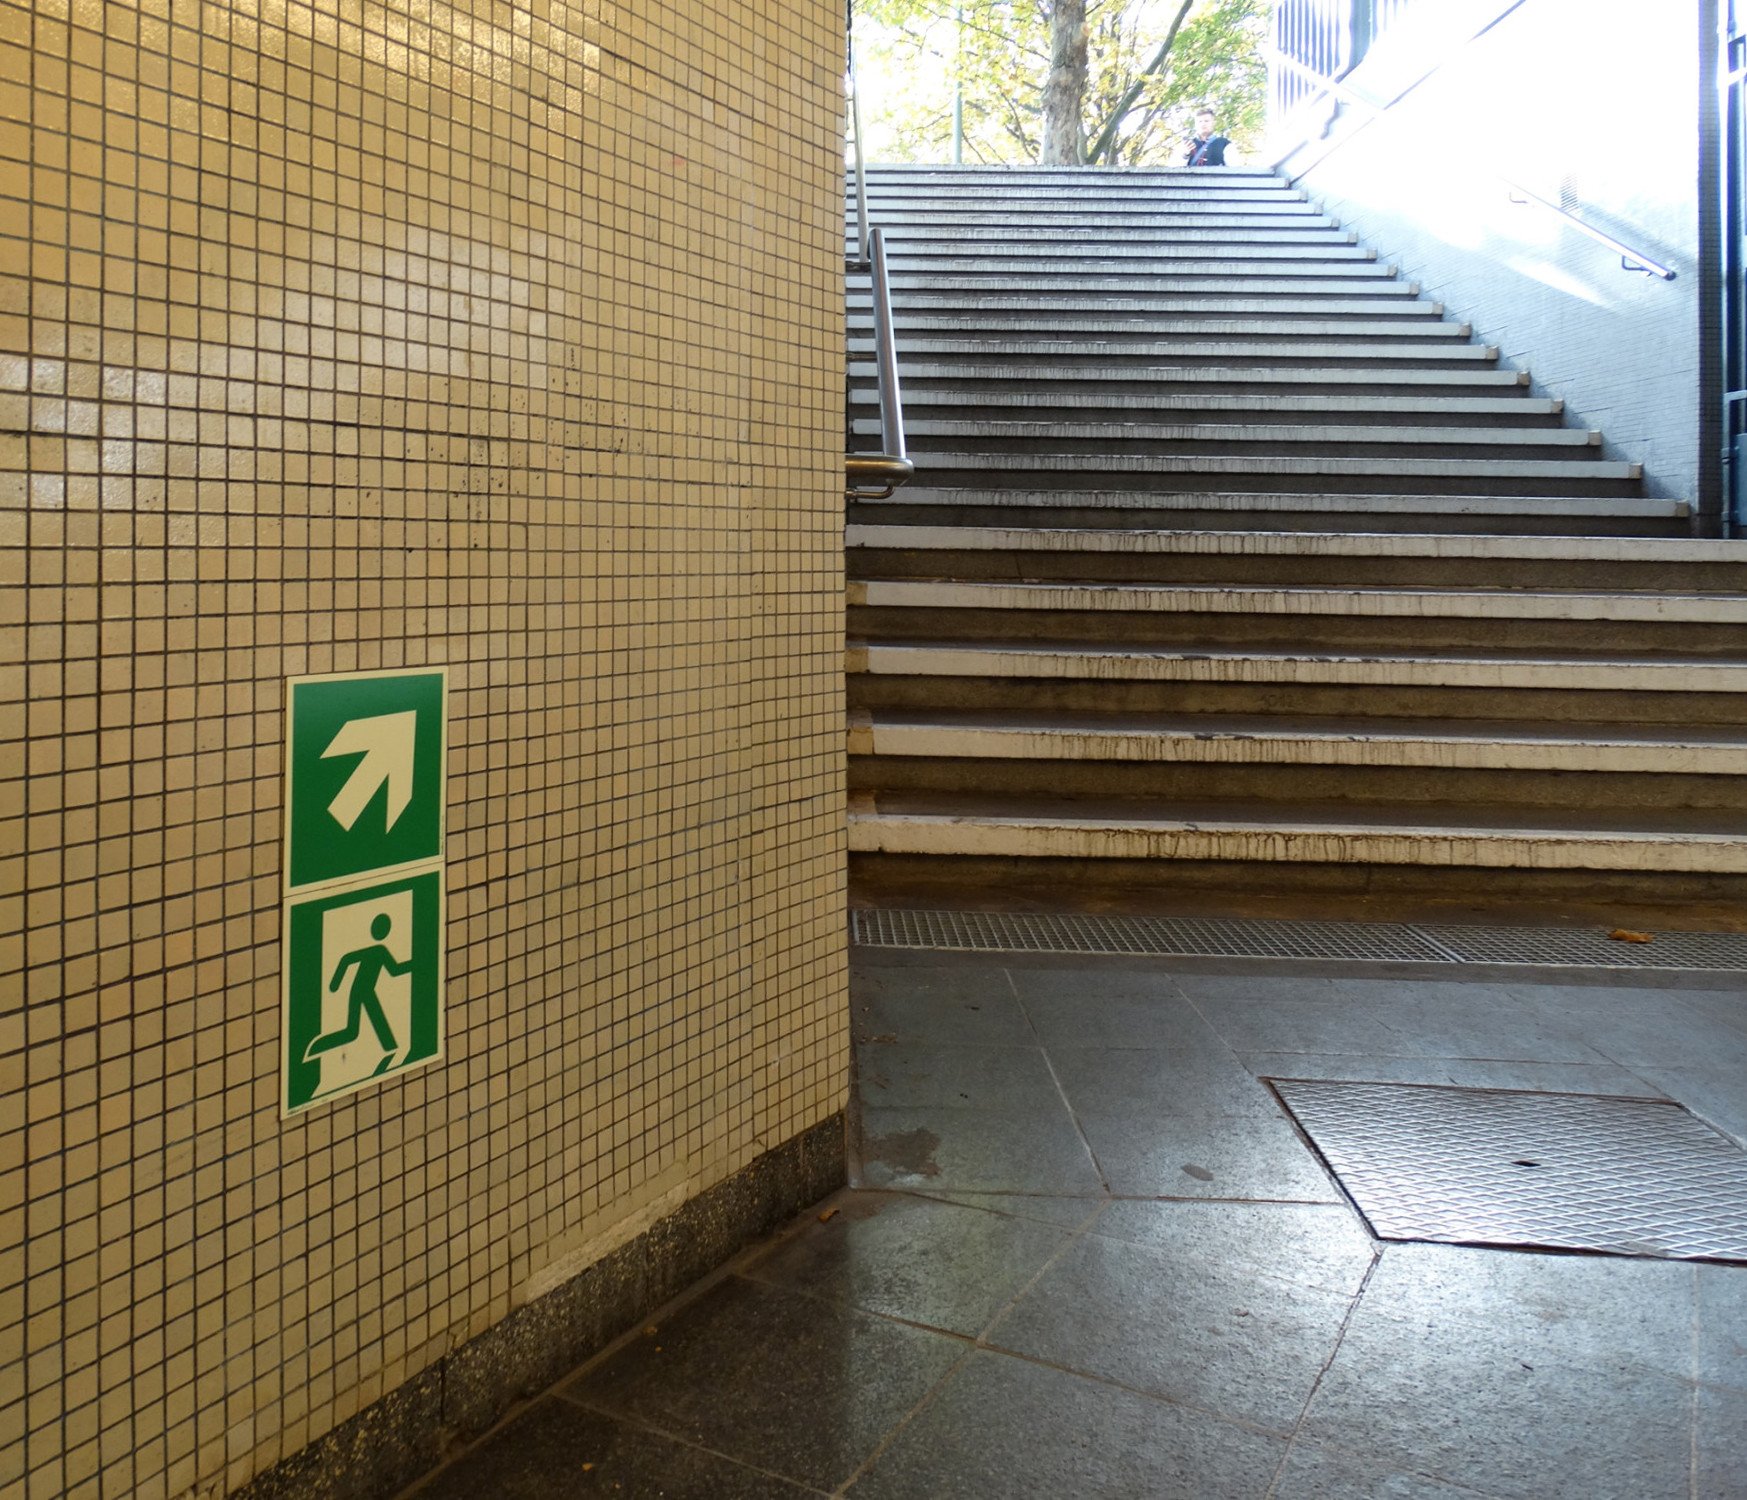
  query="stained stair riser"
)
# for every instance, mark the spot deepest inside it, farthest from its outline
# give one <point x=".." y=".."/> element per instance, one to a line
<point x="930" y="449"/>
<point x="1292" y="785"/>
<point x="1273" y="514"/>
<point x="1107" y="693"/>
<point x="1319" y="477"/>
<point x="1311" y="632"/>
<point x="1289" y="571"/>
<point x="1114" y="412"/>
<point x="1382" y="888"/>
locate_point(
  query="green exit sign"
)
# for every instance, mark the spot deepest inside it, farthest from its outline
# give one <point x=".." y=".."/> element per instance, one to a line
<point x="362" y="977"/>
<point x="365" y="774"/>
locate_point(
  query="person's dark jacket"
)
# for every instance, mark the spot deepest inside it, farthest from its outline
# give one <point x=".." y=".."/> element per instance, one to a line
<point x="1208" y="153"/>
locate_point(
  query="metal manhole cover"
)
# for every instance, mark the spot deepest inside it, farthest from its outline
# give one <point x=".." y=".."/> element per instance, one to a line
<point x="1555" y="1171"/>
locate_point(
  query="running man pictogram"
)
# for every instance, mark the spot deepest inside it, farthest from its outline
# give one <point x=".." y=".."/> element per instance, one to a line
<point x="369" y="965"/>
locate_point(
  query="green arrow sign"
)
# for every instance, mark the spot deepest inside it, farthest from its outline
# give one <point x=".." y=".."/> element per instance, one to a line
<point x="363" y="986"/>
<point x="365" y="774"/>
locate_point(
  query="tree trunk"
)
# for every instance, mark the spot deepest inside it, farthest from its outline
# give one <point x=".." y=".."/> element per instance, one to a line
<point x="1064" y="140"/>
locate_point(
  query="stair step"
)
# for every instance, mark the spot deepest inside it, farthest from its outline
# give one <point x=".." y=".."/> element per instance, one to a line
<point x="1355" y="275"/>
<point x="1311" y="544"/>
<point x="1092" y="255"/>
<point x="1373" y="289"/>
<point x="900" y="221"/>
<point x="1280" y="741"/>
<point x="1264" y="350"/>
<point x="1261" y="325"/>
<point x="1571" y="507"/>
<point x="1062" y="179"/>
<point x="1411" y="834"/>
<point x="1045" y="380"/>
<point x="1279" y="466"/>
<point x="912" y="310"/>
<point x="1208" y="404"/>
<point x="1491" y="672"/>
<point x="1309" y="238"/>
<point x="1226" y="432"/>
<point x="1412" y="604"/>
<point x="1053" y="199"/>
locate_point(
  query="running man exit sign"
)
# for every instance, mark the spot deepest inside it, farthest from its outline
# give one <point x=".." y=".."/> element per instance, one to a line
<point x="365" y="788"/>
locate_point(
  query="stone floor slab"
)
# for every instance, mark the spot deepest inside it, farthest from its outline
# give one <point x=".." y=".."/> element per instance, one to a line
<point x="1219" y="1338"/>
<point x="789" y="1384"/>
<point x="1005" y="1428"/>
<point x="941" y="1264"/>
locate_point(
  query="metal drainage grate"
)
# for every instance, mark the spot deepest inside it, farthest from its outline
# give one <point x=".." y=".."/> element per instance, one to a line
<point x="1017" y="932"/>
<point x="1590" y="947"/>
<point x="1552" y="1171"/>
<point x="1022" y="932"/>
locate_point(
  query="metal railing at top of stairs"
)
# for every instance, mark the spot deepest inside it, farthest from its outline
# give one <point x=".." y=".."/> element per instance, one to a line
<point x="873" y="476"/>
<point x="1321" y="84"/>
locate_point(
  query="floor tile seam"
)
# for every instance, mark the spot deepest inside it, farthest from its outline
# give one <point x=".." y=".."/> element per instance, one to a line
<point x="927" y="1399"/>
<point x="992" y="1193"/>
<point x="1212" y="1199"/>
<point x="1203" y="1262"/>
<point x="1001" y="1213"/>
<point x="849" y="1304"/>
<point x="1061" y="1093"/>
<point x="1322" y="1371"/>
<point x="1437" y="1057"/>
<point x="639" y="1423"/>
<point x="1157" y="1398"/>
<point x="1074" y="1237"/>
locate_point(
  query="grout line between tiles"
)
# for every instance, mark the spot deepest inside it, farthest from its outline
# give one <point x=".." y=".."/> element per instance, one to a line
<point x="1067" y="1104"/>
<point x="928" y="1399"/>
<point x="1316" y="1385"/>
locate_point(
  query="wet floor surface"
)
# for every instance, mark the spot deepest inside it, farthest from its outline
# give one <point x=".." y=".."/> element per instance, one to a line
<point x="1087" y="1254"/>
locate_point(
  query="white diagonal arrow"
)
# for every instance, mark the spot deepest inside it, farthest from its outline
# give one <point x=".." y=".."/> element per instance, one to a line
<point x="386" y="743"/>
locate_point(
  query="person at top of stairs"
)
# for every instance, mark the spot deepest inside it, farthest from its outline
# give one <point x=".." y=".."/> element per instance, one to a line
<point x="1207" y="149"/>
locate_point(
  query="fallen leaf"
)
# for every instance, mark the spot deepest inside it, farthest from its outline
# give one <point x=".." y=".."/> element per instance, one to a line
<point x="1626" y="935"/>
<point x="828" y="1215"/>
<point x="651" y="1329"/>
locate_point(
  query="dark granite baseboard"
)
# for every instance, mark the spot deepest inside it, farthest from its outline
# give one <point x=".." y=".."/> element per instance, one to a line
<point x="393" y="1441"/>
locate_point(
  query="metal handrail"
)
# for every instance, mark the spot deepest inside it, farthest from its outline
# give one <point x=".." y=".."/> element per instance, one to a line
<point x="1630" y="259"/>
<point x="891" y="466"/>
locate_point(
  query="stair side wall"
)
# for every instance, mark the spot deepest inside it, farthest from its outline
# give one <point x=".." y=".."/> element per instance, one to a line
<point x="1598" y="110"/>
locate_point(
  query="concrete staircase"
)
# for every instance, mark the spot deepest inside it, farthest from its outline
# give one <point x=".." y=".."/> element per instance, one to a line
<point x="1233" y="563"/>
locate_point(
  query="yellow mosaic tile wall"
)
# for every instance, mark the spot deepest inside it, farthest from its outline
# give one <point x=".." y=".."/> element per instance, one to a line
<point x="345" y="336"/>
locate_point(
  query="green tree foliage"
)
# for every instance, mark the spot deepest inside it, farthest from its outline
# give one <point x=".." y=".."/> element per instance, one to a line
<point x="1137" y="106"/>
